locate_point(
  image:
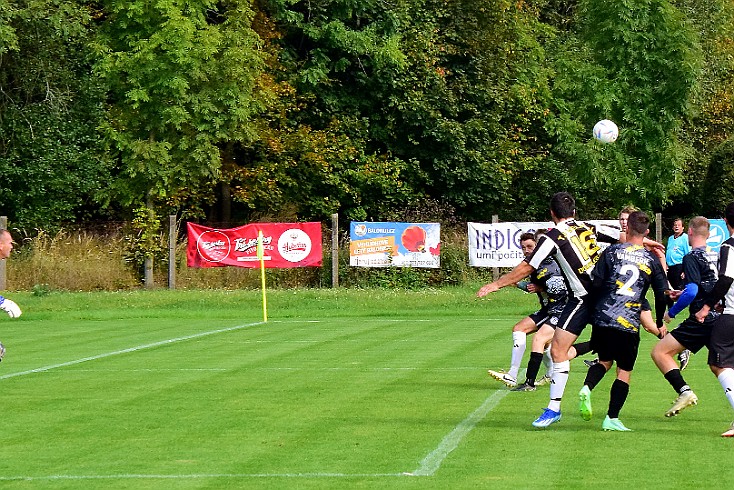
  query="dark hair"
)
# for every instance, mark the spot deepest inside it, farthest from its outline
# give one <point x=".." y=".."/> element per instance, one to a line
<point x="540" y="232"/>
<point x="729" y="214"/>
<point x="638" y="223"/>
<point x="563" y="205"/>
<point x="527" y="236"/>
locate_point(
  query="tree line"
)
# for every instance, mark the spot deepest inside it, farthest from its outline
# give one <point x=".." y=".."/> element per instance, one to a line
<point x="240" y="110"/>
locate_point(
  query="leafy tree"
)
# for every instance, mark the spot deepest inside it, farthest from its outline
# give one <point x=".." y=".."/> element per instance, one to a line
<point x="635" y="63"/>
<point x="50" y="154"/>
<point x="711" y="124"/>
<point x="450" y="94"/>
<point x="181" y="78"/>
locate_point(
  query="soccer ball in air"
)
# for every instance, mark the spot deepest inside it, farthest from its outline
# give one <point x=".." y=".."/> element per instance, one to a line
<point x="605" y="131"/>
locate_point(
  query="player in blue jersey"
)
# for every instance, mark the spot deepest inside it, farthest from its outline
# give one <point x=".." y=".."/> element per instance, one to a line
<point x="721" y="343"/>
<point x="699" y="279"/>
<point x="621" y="278"/>
<point x="574" y="247"/>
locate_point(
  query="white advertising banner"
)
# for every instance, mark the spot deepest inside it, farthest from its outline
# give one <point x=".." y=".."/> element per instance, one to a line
<point x="498" y="244"/>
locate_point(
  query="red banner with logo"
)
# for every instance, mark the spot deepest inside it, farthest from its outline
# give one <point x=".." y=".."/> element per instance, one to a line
<point x="285" y="245"/>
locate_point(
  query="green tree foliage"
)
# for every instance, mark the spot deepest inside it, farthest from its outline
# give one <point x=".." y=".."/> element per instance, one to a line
<point x="449" y="94"/>
<point x="181" y="78"/>
<point x="636" y="63"/>
<point x="50" y="153"/>
<point x="712" y="123"/>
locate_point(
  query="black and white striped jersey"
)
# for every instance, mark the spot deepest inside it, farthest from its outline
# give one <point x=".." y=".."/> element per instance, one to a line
<point x="574" y="245"/>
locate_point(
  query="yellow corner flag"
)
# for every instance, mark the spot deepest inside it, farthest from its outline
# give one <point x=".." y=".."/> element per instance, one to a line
<point x="261" y="256"/>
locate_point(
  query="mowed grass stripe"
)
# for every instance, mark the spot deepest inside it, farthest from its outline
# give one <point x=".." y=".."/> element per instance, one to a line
<point x="331" y="348"/>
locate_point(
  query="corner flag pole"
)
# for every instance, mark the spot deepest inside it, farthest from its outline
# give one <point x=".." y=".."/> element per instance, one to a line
<point x="261" y="256"/>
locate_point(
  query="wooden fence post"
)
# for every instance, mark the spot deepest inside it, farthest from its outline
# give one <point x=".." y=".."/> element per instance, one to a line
<point x="172" y="236"/>
<point x="335" y="250"/>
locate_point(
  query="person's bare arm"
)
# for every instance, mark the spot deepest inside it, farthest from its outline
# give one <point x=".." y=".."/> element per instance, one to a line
<point x="519" y="272"/>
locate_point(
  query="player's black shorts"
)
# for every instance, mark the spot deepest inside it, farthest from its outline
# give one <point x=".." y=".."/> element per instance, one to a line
<point x="616" y="345"/>
<point x="721" y="345"/>
<point x="576" y="315"/>
<point x="543" y="317"/>
<point x="692" y="334"/>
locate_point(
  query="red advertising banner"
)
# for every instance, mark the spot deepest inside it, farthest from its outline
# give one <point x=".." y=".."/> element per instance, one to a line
<point x="285" y="245"/>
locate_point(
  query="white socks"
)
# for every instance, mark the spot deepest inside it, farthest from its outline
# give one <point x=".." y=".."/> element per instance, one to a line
<point x="726" y="379"/>
<point x="558" y="384"/>
<point x="519" y="339"/>
<point x="548" y="362"/>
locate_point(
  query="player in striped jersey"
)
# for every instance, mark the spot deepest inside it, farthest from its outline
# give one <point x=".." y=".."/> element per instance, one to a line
<point x="574" y="246"/>
<point x="621" y="280"/>
<point x="721" y="344"/>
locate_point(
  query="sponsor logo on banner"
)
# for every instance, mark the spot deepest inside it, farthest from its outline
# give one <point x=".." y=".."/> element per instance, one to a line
<point x="395" y="244"/>
<point x="498" y="244"/>
<point x="213" y="245"/>
<point x="294" y="245"/>
<point x="285" y="245"/>
<point x="718" y="234"/>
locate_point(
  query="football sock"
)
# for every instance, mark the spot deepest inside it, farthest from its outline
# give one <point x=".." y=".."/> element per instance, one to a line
<point x="726" y="379"/>
<point x="548" y="362"/>
<point x="582" y="348"/>
<point x="518" y="350"/>
<point x="617" y="397"/>
<point x="676" y="380"/>
<point x="594" y="375"/>
<point x="558" y="384"/>
<point x="536" y="358"/>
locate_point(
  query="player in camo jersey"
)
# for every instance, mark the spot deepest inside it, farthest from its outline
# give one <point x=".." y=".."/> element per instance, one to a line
<point x="551" y="289"/>
<point x="621" y="278"/>
<point x="700" y="276"/>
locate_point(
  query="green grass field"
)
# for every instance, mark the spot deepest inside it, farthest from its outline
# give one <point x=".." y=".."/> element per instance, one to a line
<point x="339" y="389"/>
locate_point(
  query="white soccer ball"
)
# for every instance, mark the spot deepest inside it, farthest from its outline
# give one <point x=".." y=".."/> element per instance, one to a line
<point x="605" y="131"/>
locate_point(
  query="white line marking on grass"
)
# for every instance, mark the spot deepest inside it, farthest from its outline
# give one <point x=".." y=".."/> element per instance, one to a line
<point x="130" y="349"/>
<point x="197" y="476"/>
<point x="432" y="462"/>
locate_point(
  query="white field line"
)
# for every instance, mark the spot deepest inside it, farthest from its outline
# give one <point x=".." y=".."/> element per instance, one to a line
<point x="432" y="462"/>
<point x="195" y="476"/>
<point x="428" y="466"/>
<point x="128" y="350"/>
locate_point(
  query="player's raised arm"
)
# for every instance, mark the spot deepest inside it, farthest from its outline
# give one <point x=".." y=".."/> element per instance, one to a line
<point x="522" y="270"/>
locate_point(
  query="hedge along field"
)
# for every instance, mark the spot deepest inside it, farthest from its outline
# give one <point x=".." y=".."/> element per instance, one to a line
<point x="340" y="388"/>
<point x="104" y="261"/>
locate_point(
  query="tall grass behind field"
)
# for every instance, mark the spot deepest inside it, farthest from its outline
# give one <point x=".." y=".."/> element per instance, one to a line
<point x="79" y="260"/>
<point x="71" y="260"/>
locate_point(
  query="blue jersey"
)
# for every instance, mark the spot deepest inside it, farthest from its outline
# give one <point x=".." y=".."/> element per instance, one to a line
<point x="676" y="249"/>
